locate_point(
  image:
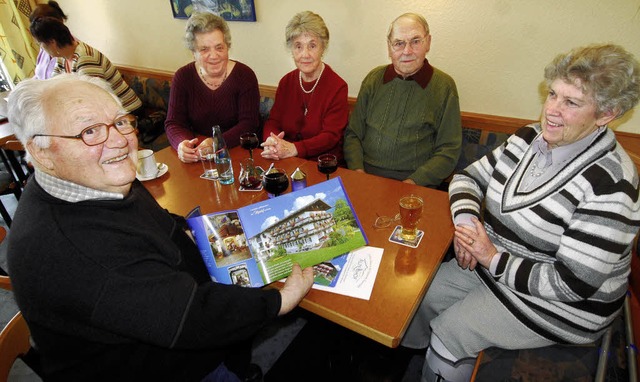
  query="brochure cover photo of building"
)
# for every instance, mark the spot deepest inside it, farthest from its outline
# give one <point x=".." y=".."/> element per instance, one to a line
<point x="258" y="244"/>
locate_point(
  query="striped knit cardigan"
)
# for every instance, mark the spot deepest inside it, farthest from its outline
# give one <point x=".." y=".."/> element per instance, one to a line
<point x="566" y="244"/>
<point x="91" y="62"/>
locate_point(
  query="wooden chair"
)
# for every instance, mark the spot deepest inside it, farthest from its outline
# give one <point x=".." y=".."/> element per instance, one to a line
<point x="5" y="283"/>
<point x="632" y="314"/>
<point x="8" y="185"/>
<point x="14" y="343"/>
<point x="630" y="326"/>
<point x="13" y="150"/>
<point x="14" y="338"/>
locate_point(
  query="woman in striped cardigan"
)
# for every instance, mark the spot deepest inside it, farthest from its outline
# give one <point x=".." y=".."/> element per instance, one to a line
<point x="544" y="225"/>
<point x="74" y="56"/>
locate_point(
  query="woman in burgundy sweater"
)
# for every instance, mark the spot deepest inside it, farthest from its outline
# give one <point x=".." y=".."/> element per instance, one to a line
<point x="310" y="111"/>
<point x="212" y="90"/>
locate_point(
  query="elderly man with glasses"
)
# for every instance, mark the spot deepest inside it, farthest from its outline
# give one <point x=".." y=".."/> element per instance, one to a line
<point x="406" y="122"/>
<point x="109" y="282"/>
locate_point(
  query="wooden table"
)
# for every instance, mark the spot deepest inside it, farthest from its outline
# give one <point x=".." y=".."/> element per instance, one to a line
<point x="405" y="273"/>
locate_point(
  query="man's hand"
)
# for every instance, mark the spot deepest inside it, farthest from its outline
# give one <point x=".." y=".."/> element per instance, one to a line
<point x="295" y="288"/>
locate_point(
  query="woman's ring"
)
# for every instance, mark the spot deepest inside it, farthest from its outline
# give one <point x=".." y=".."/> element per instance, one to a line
<point x="471" y="242"/>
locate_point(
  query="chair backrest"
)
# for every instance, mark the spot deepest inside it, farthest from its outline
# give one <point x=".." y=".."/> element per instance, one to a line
<point x="14" y="343"/>
<point x="12" y="150"/>
<point x="13" y="145"/>
<point x="634" y="296"/>
<point x="5" y="283"/>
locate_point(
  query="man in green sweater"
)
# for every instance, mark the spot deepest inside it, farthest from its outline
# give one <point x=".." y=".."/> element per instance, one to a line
<point x="406" y="122"/>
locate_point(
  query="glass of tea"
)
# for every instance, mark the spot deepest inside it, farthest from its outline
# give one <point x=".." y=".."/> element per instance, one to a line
<point x="327" y="164"/>
<point x="275" y="181"/>
<point x="249" y="178"/>
<point x="410" y="213"/>
<point x="249" y="141"/>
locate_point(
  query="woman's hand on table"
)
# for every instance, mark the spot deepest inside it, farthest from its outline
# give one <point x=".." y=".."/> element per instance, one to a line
<point x="472" y="245"/>
<point x="295" y="288"/>
<point x="205" y="142"/>
<point x="276" y="148"/>
<point x="188" y="152"/>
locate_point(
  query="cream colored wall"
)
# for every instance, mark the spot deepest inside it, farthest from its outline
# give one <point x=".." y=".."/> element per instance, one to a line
<point x="495" y="50"/>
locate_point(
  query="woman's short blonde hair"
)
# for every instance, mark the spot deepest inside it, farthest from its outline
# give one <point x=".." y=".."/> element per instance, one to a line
<point x="205" y="22"/>
<point x="607" y="72"/>
<point x="307" y="22"/>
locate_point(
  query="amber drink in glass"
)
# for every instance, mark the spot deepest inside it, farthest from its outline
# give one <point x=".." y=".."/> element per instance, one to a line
<point x="410" y="213"/>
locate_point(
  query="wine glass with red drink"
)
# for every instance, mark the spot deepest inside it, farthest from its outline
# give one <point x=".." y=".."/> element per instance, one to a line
<point x="275" y="181"/>
<point x="249" y="141"/>
<point x="327" y="164"/>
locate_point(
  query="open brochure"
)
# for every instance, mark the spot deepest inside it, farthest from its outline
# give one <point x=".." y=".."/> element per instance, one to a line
<point x="353" y="274"/>
<point x="258" y="244"/>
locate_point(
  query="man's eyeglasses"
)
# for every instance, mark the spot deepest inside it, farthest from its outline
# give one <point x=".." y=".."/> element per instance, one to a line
<point x="385" y="221"/>
<point x="99" y="133"/>
<point x="400" y="45"/>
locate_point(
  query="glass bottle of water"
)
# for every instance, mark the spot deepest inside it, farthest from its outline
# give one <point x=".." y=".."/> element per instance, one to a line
<point x="222" y="157"/>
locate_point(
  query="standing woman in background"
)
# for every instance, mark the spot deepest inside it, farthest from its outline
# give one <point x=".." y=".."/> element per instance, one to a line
<point x="45" y="64"/>
<point x="74" y="56"/>
<point x="311" y="109"/>
<point x="212" y="90"/>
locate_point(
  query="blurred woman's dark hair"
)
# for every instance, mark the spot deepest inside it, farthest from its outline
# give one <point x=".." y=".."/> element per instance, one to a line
<point x="50" y="9"/>
<point x="46" y="29"/>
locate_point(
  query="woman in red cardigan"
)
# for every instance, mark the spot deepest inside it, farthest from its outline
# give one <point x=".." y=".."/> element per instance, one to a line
<point x="310" y="111"/>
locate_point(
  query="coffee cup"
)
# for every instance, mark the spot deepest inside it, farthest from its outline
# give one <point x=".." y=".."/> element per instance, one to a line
<point x="147" y="166"/>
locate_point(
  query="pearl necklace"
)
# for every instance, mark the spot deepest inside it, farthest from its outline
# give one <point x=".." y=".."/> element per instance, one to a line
<point x="314" y="85"/>
<point x="201" y="73"/>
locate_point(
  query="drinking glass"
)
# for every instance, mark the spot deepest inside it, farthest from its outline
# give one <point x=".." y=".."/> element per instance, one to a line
<point x="224" y="169"/>
<point x="249" y="141"/>
<point x="410" y="213"/>
<point x="207" y="157"/>
<point x="327" y="164"/>
<point x="275" y="181"/>
<point x="249" y="178"/>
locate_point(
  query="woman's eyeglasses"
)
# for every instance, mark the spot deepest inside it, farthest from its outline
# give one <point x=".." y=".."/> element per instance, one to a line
<point x="385" y="221"/>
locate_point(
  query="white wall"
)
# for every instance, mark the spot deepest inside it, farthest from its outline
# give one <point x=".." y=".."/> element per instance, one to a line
<point x="495" y="50"/>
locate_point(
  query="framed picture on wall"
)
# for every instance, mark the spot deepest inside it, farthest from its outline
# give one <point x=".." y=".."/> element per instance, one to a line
<point x="230" y="10"/>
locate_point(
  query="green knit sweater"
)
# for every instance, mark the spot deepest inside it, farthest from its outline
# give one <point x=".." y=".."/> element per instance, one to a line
<point x="400" y="130"/>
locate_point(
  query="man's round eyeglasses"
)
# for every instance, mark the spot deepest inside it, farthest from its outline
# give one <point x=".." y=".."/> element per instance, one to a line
<point x="99" y="133"/>
<point x="400" y="45"/>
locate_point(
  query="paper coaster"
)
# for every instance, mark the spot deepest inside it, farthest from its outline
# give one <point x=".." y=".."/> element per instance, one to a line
<point x="396" y="237"/>
<point x="259" y="188"/>
<point x="204" y="176"/>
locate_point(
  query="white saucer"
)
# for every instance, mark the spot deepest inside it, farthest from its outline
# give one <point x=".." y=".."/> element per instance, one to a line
<point x="162" y="169"/>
